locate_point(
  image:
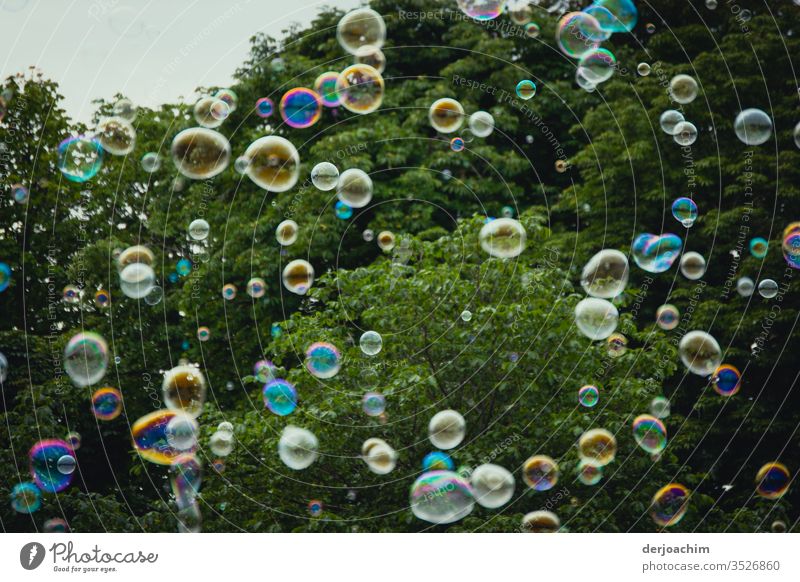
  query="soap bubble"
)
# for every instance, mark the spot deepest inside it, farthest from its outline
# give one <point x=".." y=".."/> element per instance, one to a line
<point x="503" y="237"/>
<point x="597" y="447"/>
<point x="541" y="522"/>
<point x="373" y="404"/>
<point x="199" y="229"/>
<point x="286" y="233"/>
<point x="525" y="89"/>
<point x="221" y="443"/>
<point x="19" y="193"/>
<point x="265" y="107"/>
<point x="323" y="360"/>
<point x="624" y="13"/>
<point x="596" y="318"/>
<point x="481" y="124"/>
<point x="229" y="291"/>
<point x="778" y="526"/>
<point x="683" y="89"/>
<point x="371" y="343"/>
<point x="598" y="65"/>
<point x="51" y="471"/>
<point x="643" y="69"/>
<point x="274" y="163"/>
<point x="106" y="403"/>
<point x="71" y="294"/>
<point x="184" y="389"/>
<point x="745" y="286"/>
<point x="204" y="112"/>
<point x="354" y="188"/>
<point x="360" y="27"/>
<point x="540" y="473"/>
<point x="685" y="133"/>
<point x="186" y="475"/>
<point x="203" y="333"/>
<point x="264" y="371"/>
<point x="519" y="12"/>
<point x="280" y="397"/>
<point x="700" y="353"/>
<point x="457" y="144"/>
<point x="693" y="265"/>
<point x="5" y="276"/>
<point x="325" y="176"/>
<point x="125" y="109"/>
<point x="667" y="317"/>
<point x="669" y="504"/>
<point x="200" y="153"/>
<point x="768" y="288"/>
<point x="492" y="485"/>
<point x="753" y="127"/>
<point x="297" y="447"/>
<point x="685" y="211"/>
<point x="466" y="315"/>
<point x="116" y="135"/>
<point x="660" y="407"/>
<point x="73" y="440"/>
<point x="342" y="210"/>
<point x="773" y="480"/>
<point x="136" y="280"/>
<point x="481" y="9"/>
<point x="650" y="433"/>
<point x="182" y="431"/>
<point x="26" y="497"/>
<point x="150" y="162"/>
<point x="446" y="115"/>
<point x="605" y="275"/>
<point x="55" y="525"/>
<point x="86" y="358"/>
<point x="300" y="107"/>
<point x="372" y="56"/>
<point x="447" y="429"/>
<point x="577" y="33"/>
<point x="589" y="474"/>
<point x="759" y="247"/>
<point x="386" y="240"/>
<point x="150" y="437"/>
<point x="315" y="508"/>
<point x="298" y="276"/>
<point x="135" y="254"/>
<point x="437" y="461"/>
<point x="189" y="519"/>
<point x="727" y="380"/>
<point x="379" y="456"/>
<point x="655" y="254"/>
<point x="325" y="85"/>
<point x="360" y="89"/>
<point x="441" y="497"/>
<point x="155" y="295"/>
<point x="669" y="121"/>
<point x="80" y="158"/>
<point x="588" y="395"/>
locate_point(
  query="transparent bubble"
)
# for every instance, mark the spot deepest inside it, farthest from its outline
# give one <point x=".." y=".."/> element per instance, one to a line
<point x="589" y="474"/>
<point x="533" y="30"/>
<point x="52" y="464"/>
<point x="588" y="396"/>
<point x="441" y="497"/>
<point x="182" y="431"/>
<point x="446" y="115"/>
<point x="643" y="69"/>
<point x="693" y="265"/>
<point x="80" y="158"/>
<point x="264" y="371"/>
<point x="372" y="56"/>
<point x="481" y="124"/>
<point x="136" y="280"/>
<point x="778" y="526"/>
<point x="200" y="153"/>
<point x="753" y="127"/>
<point x="323" y="360"/>
<point x="759" y="247"/>
<point x="711" y="4"/>
<point x="315" y="508"/>
<point x="354" y="188"/>
<point x="596" y="318"/>
<point x="300" y="107"/>
<point x="241" y="164"/>
<point x="73" y="440"/>
<point x="655" y="254"/>
<point x="684" y="210"/>
<point x="371" y="343"/>
<point x="669" y="121"/>
<point x="86" y="358"/>
<point x="577" y="33"/>
<point x="368" y="235"/>
<point x="189" y="519"/>
<point x="768" y="288"/>
<point x="683" y="89"/>
<point x="650" y="433"/>
<point x="379" y="456"/>
<point x="667" y="317"/>
<point x="325" y="85"/>
<point x="597" y="447"/>
<point x="297" y="448"/>
<point x="466" y="315"/>
<point x="438" y="461"/>
<point x="228" y="97"/>
<point x="150" y="162"/>
<point x="55" y="525"/>
<point x="503" y="237"/>
<point x="540" y="473"/>
<point x="582" y="82"/>
<point x="325" y="176"/>
<point x="221" y="443"/>
<point x="154" y="296"/>
<point x="298" y="276"/>
<point x="685" y="133"/>
<point x="199" y="229"/>
<point x="605" y="275"/>
<point x="286" y="233"/>
<point x="150" y="437"/>
<point x="386" y="240"/>
<point x="457" y="144"/>
<point x="184" y="389"/>
<point x="660" y="407"/>
<point x="745" y="286"/>
<point x="526" y="89"/>
<point x="360" y="89"/>
<point x="519" y="12"/>
<point x="669" y="504"/>
<point x="360" y="27"/>
<point x="26" y="497"/>
<point x="71" y="294"/>
<point x="773" y="480"/>
<point x="186" y="476"/>
<point x="203" y="112"/>
<point x="797" y="135"/>
<point x="700" y="353"/>
<point x="598" y="65"/>
<point x="125" y="109"/>
<point x="447" y="429"/>
<point x="492" y="485"/>
<point x="373" y="403"/>
<point x="541" y="521"/>
<point x="220" y="110"/>
<point x="274" y="163"/>
<point x="19" y="193"/>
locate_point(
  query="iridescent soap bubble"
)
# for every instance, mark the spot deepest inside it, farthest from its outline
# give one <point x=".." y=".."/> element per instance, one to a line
<point x="280" y="397"/>
<point x="667" y="317"/>
<point x="526" y="89"/>
<point x="265" y="107"/>
<point x="598" y="65"/>
<point x="669" y="121"/>
<point x="86" y="358"/>
<point x="643" y="69"/>
<point x="617" y="345"/>
<point x="685" y="211"/>
<point x="481" y="9"/>
<point x="228" y="97"/>
<point x="753" y="127"/>
<point x="256" y="287"/>
<point x="700" y="353"/>
<point x="315" y="508"/>
<point x="221" y="443"/>
<point x="596" y="318"/>
<point x="189" y="519"/>
<point x="183" y="267"/>
<point x="532" y="30"/>
<point x="19" y="193"/>
<point x="298" y="276"/>
<point x="185" y="475"/>
<point x="540" y="473"/>
<point x="204" y="112"/>
<point x="182" y="431"/>
<point x="71" y="294"/>
<point x="184" y="389"/>
<point x="150" y="437"/>
<point x="745" y="286"/>
<point x="791" y="245"/>
<point x="372" y="56"/>
<point x="225" y="426"/>
<point x="136" y="280"/>
<point x="759" y="247"/>
<point x="624" y="12"/>
<point x="503" y="237"/>
<point x="264" y="371"/>
<point x="26" y="497"/>
<point x="300" y="107"/>
<point x="588" y="395"/>
<point x="116" y="135"/>
<point x="360" y="89"/>
<point x="80" y="158"/>
<point x="540" y="521"/>
<point x="107" y="403"/>
<point x="437" y="461"/>
<point x="693" y="265"/>
<point x="73" y="440"/>
<point x="685" y="133"/>
<point x="683" y="89"/>
<point x="660" y="407"/>
<point x="446" y="115"/>
<point x="441" y="497"/>
<point x="354" y="188"/>
<point x="46" y="464"/>
<point x="481" y="124"/>
<point x="155" y="295"/>
<point x="135" y="254"/>
<point x="274" y="163"/>
<point x="386" y="240"/>
<point x="297" y="448"/>
<point x="371" y="343"/>
<point x="457" y="144"/>
<point x="199" y="229"/>
<point x="605" y="275"/>
<point x="492" y="485"/>
<point x="768" y="288"/>
<point x="323" y="360"/>
<point x="5" y="276"/>
<point x="655" y="254"/>
<point x="379" y="456"/>
<point x="373" y="403"/>
<point x="773" y="480"/>
<point x="325" y="176"/>
<point x="447" y="429"/>
<point x="727" y="380"/>
<point x="286" y="233"/>
<point x="203" y="333"/>
<point x="577" y="33"/>
<point x="199" y="153"/>
<point x="583" y="83"/>
<point x="360" y="27"/>
<point x="325" y="86"/>
<point x="597" y="447"/>
<point x="669" y="504"/>
<point x="589" y="474"/>
<point x="55" y="525"/>
<point x="650" y="433"/>
<point x="229" y="291"/>
<point x="342" y="210"/>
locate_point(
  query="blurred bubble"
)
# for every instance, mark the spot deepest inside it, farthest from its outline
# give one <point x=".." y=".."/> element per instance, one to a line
<point x="541" y="521"/>
<point x="643" y="69"/>
<point x="577" y="33"/>
<point x="773" y="480"/>
<point x="596" y="318"/>
<point x="437" y="461"/>
<point x="315" y="508"/>
<point x="700" y="353"/>
<point x="150" y="437"/>
<point x="286" y="233"/>
<point x="492" y="485"/>
<point x="758" y="247"/>
<point x="19" y="193"/>
<point x="228" y="97"/>
<point x="221" y="443"/>
<point x="200" y="153"/>
<point x="669" y="504"/>
<point x="685" y="133"/>
<point x="26" y="497"/>
<point x="386" y="240"/>
<point x="116" y="135"/>
<point x="5" y="276"/>
<point x="155" y="295"/>
<point x="373" y="404"/>
<point x="71" y="294"/>
<point x="655" y="254"/>
<point x="360" y="27"/>
<point x="80" y="158"/>
<point x="503" y="237"/>
<point x="368" y="235"/>
<point x="360" y="89"/>
<point x="667" y="317"/>
<point x="540" y="473"/>
<point x="323" y="360"/>
<point x="73" y="440"/>
<point x="372" y="56"/>
<point x="274" y="163"/>
<point x="446" y="115"/>
<point x="204" y="112"/>
<point x="693" y="265"/>
<point x="379" y="456"/>
<point x="186" y="475"/>
<point x="532" y="30"/>
<point x="597" y="447"/>
<point x="136" y="280"/>
<point x="466" y="315"/>
<point x="199" y="229"/>
<point x="589" y="474"/>
<point x="125" y="109"/>
<point x="325" y="176"/>
<point x="342" y="210"/>
<point x="481" y="124"/>
<point x="660" y="407"/>
<point x="683" y="89"/>
<point x="457" y="144"/>
<point x="264" y="371"/>
<point x="753" y="127"/>
<point x="182" y="431"/>
<point x="745" y="286"/>
<point x="184" y="389"/>
<point x="52" y="464"/>
<point x="55" y="525"/>
<point x="86" y="358"/>
<point x="107" y="403"/>
<point x="265" y="107"/>
<point x="605" y="275"/>
<point x="441" y="497"/>
<point x="150" y="162"/>
<point x="280" y="397"/>
<point x="447" y="429"/>
<point x="297" y="447"/>
<point x="669" y="121"/>
<point x="203" y="333"/>
<point x="768" y="288"/>
<point x="598" y="65"/>
<point x="325" y="86"/>
<point x="526" y="89"/>
<point x="298" y="276"/>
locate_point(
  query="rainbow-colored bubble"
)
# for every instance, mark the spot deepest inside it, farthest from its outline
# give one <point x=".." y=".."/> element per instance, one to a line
<point x="684" y="210"/>
<point x="264" y="371"/>
<point x="588" y="395"/>
<point x="300" y="107"/>
<point x="441" y="497"/>
<point x="654" y="253"/>
<point x="759" y="247"/>
<point x="186" y="475"/>
<point x="280" y="397"/>
<point x="80" y="158"/>
<point x="772" y="480"/>
<point x="265" y="107"/>
<point x="50" y="470"/>
<point x="323" y="360"/>
<point x="791" y="245"/>
<point x="150" y="438"/>
<point x="650" y="433"/>
<point x="437" y="461"/>
<point x="26" y="497"/>
<point x="669" y="504"/>
<point x="325" y="86"/>
<point x="106" y="403"/>
<point x="315" y="508"/>
<point x="727" y="380"/>
<point x="540" y="472"/>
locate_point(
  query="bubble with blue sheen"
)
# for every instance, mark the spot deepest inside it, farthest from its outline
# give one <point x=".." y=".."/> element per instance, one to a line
<point x="578" y="33"/>
<point x="669" y="504"/>
<point x="481" y="9"/>
<point x="80" y="158"/>
<point x="186" y="475"/>
<point x="280" y="397"/>
<point x="264" y="371"/>
<point x="650" y="433"/>
<point x="86" y="358"/>
<point x="323" y="360"/>
<point x="684" y="210"/>
<point x="540" y="473"/>
<point x="26" y="497"/>
<point x="46" y="464"/>
<point x="773" y="480"/>
<point x="726" y="380"/>
<point x="373" y="403"/>
<point x="150" y="437"/>
<point x="107" y="403"/>
<point x="325" y="86"/>
<point x="300" y="107"/>
<point x="437" y="461"/>
<point x="342" y="210"/>
<point x="625" y="14"/>
<point x="441" y="497"/>
<point x="5" y="276"/>
<point x="758" y="247"/>
<point x="588" y="395"/>
<point x="654" y="253"/>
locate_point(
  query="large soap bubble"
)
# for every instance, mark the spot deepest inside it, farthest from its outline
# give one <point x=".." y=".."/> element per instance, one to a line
<point x="596" y="318"/>
<point x="597" y="447"/>
<point x="150" y="437"/>
<point x="482" y="9"/>
<point x="441" y="497"/>
<point x="753" y="127"/>
<point x="446" y="115"/>
<point x="540" y="472"/>
<point x="683" y="89"/>
<point x="655" y="254"/>
<point x="297" y="447"/>
<point x="700" y="353"/>
<point x="274" y="163"/>
<point x="360" y="89"/>
<point x="360" y="27"/>
<point x="354" y="188"/>
<point x="577" y="33"/>
<point x="605" y="275"/>
<point x="184" y="389"/>
<point x="503" y="237"/>
<point x="492" y="485"/>
<point x="298" y="276"/>
<point x="137" y="280"/>
<point x="86" y="358"/>
<point x="624" y="13"/>
<point x="199" y="153"/>
<point x="80" y="158"/>
<point x="447" y="429"/>
<point x="379" y="456"/>
<point x="116" y="135"/>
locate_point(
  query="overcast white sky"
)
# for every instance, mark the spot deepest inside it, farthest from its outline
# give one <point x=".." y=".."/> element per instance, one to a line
<point x="153" y="51"/>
